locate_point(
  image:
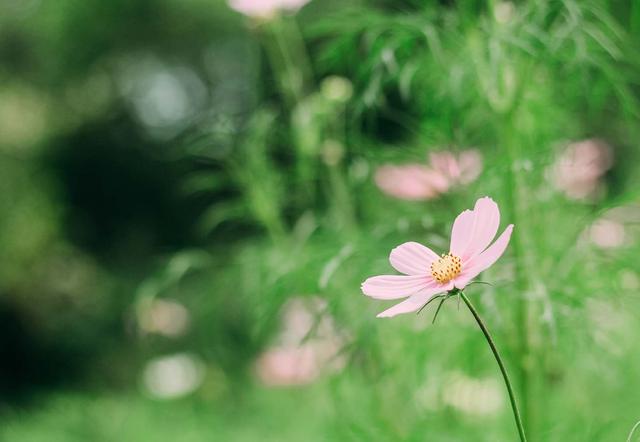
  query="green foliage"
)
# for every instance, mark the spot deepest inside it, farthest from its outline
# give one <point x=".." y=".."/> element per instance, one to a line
<point x="227" y="165"/>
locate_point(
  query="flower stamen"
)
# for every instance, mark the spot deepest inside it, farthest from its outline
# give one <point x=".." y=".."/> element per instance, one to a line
<point x="446" y="268"/>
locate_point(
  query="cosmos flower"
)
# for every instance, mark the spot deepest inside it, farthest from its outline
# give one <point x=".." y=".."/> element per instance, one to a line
<point x="607" y="233"/>
<point x="579" y="169"/>
<point x="425" y="182"/>
<point x="410" y="182"/>
<point x="288" y="366"/>
<point x="265" y="8"/>
<point x="463" y="168"/>
<point x="307" y="346"/>
<point x="426" y="274"/>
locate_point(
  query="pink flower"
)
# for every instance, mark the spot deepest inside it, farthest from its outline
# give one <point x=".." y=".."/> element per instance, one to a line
<point x="265" y="8"/>
<point x="426" y="274"/>
<point x="288" y="366"/>
<point x="607" y="233"/>
<point x="461" y="169"/>
<point x="307" y="346"/>
<point x="411" y="182"/>
<point x="579" y="169"/>
<point x="422" y="182"/>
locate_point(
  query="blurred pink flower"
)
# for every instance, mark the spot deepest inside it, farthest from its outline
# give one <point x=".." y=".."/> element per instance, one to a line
<point x="410" y="182"/>
<point x="425" y="182"/>
<point x="265" y="8"/>
<point x="426" y="274"/>
<point x="307" y="346"/>
<point x="607" y="233"/>
<point x="578" y="170"/>
<point x="461" y="169"/>
<point x="282" y="366"/>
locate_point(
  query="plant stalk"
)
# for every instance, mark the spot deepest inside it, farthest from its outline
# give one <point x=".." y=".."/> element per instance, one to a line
<point x="503" y="370"/>
<point x="522" y="304"/>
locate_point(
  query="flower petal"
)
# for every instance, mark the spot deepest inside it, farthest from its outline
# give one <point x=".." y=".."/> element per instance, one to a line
<point x="410" y="182"/>
<point x="412" y="258"/>
<point x="395" y="286"/>
<point x="485" y="226"/>
<point x="485" y="259"/>
<point x="470" y="166"/>
<point x="461" y="232"/>
<point x="413" y="303"/>
<point x="446" y="163"/>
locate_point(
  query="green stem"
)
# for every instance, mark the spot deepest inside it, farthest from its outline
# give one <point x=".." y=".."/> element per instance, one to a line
<point x="290" y="76"/>
<point x="301" y="55"/>
<point x="284" y="69"/>
<point x="633" y="430"/>
<point x="341" y="198"/>
<point x="503" y="370"/>
<point x="513" y="186"/>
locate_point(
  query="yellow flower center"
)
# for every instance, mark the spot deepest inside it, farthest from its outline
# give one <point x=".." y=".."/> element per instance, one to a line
<point x="446" y="268"/>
